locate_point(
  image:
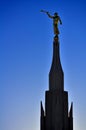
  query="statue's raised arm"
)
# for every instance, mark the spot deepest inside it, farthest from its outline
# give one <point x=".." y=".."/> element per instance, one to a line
<point x="47" y="13"/>
<point x="50" y="16"/>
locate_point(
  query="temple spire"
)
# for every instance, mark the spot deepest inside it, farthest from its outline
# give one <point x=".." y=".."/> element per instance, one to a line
<point x="56" y="76"/>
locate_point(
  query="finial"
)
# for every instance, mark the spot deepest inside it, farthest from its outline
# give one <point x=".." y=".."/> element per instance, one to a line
<point x="56" y="19"/>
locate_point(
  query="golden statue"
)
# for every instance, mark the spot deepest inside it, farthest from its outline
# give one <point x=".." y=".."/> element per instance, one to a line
<point x="56" y="20"/>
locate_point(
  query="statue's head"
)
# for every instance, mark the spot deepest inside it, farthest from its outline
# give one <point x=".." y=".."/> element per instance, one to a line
<point x="55" y="14"/>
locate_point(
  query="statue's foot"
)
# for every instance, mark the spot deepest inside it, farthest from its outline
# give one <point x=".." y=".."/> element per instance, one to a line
<point x="56" y="37"/>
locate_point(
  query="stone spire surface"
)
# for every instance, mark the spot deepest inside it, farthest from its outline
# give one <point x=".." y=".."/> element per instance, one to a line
<point x="56" y="76"/>
<point x="55" y="116"/>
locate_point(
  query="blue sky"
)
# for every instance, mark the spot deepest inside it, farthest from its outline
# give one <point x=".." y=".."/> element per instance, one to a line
<point x="26" y="39"/>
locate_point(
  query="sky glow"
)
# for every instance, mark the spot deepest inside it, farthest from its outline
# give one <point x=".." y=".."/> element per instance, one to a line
<point x="26" y="39"/>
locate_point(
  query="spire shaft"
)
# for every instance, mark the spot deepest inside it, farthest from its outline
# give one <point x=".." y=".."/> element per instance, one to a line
<point x="56" y="80"/>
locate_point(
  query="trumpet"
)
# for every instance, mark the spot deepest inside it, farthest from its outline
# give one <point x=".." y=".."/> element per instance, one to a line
<point x="43" y="11"/>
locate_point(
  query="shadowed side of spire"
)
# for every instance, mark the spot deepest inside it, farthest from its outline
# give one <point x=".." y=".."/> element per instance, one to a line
<point x="56" y="76"/>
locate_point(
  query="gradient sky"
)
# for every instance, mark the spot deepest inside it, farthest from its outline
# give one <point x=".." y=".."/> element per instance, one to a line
<point x="26" y="39"/>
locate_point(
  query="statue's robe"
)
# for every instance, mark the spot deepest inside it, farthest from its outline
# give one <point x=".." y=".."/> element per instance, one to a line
<point x="55" y="24"/>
